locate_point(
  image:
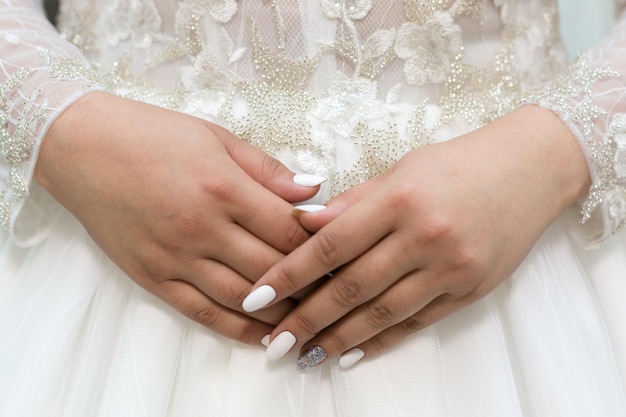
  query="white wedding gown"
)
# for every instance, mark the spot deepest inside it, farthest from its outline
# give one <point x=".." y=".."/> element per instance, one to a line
<point x="339" y="88"/>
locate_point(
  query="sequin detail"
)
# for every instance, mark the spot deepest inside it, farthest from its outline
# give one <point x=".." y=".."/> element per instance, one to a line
<point x="312" y="357"/>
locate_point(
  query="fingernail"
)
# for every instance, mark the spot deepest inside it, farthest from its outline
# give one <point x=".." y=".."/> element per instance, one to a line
<point x="309" y="208"/>
<point x="307" y="180"/>
<point x="280" y="346"/>
<point x="266" y="340"/>
<point x="312" y="357"/>
<point x="259" y="298"/>
<point x="351" y="357"/>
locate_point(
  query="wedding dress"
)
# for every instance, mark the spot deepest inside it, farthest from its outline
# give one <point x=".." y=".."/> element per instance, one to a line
<point x="338" y="88"/>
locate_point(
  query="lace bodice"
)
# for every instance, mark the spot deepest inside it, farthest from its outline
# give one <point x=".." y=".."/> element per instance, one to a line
<point x="340" y="88"/>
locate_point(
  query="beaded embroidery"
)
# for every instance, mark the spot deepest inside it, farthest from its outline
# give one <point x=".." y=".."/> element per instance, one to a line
<point x="344" y="89"/>
<point x="15" y="145"/>
<point x="20" y="120"/>
<point x="571" y="96"/>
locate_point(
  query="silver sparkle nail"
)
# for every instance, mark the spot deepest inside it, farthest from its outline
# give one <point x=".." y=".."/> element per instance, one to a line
<point x="312" y="357"/>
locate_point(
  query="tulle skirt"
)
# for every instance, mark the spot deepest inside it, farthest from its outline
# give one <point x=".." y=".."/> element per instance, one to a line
<point x="78" y="338"/>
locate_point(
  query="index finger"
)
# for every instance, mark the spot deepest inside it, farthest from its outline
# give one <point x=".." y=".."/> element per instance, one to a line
<point x="339" y="242"/>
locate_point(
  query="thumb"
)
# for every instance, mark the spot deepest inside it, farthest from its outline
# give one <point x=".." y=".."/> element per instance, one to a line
<point x="314" y="217"/>
<point x="268" y="171"/>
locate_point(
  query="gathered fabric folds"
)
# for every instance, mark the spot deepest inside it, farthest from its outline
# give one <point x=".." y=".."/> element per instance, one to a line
<point x="80" y="339"/>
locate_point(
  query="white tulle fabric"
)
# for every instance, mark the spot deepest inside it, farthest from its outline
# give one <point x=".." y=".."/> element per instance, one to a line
<point x="337" y="88"/>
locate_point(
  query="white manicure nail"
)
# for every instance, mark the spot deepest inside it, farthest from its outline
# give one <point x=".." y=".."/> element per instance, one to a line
<point x="259" y="298"/>
<point x="266" y="340"/>
<point x="351" y="357"/>
<point x="309" y="208"/>
<point x="280" y="346"/>
<point x="308" y="180"/>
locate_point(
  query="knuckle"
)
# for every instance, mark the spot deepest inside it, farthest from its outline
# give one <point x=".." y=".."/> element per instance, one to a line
<point x="207" y="316"/>
<point x="339" y="343"/>
<point x="380" y="316"/>
<point x="402" y="195"/>
<point x="464" y="287"/>
<point x="438" y="227"/>
<point x="467" y="260"/>
<point x="413" y="324"/>
<point x="325" y="249"/>
<point x="149" y="272"/>
<point x="475" y="292"/>
<point x="348" y="292"/>
<point x="305" y="324"/>
<point x="294" y="234"/>
<point x="233" y="298"/>
<point x="286" y="280"/>
<point x="230" y="296"/>
<point x="379" y="343"/>
<point x="218" y="187"/>
<point x="270" y="166"/>
<point x="466" y="280"/>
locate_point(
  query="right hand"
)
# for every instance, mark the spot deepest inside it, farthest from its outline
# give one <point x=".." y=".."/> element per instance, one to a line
<point x="188" y="211"/>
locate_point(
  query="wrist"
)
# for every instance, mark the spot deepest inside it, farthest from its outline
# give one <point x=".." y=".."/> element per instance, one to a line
<point x="59" y="145"/>
<point x="560" y="167"/>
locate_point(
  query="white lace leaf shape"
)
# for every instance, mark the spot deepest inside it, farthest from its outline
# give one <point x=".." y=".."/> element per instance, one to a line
<point x="351" y="9"/>
<point x="430" y="49"/>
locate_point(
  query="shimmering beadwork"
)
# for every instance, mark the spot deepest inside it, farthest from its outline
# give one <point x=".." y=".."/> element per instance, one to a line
<point x="310" y="100"/>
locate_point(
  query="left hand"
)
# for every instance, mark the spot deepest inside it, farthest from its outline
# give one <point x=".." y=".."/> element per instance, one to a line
<point x="442" y="228"/>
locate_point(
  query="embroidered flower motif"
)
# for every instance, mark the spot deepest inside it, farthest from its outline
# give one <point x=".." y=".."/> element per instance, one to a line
<point x="205" y="73"/>
<point x="429" y="49"/>
<point x="618" y="130"/>
<point x="616" y="200"/>
<point x="352" y="9"/>
<point x="377" y="52"/>
<point x="351" y="102"/>
<point x="319" y="157"/>
<point x="220" y="10"/>
<point x="616" y="195"/>
<point x="137" y="20"/>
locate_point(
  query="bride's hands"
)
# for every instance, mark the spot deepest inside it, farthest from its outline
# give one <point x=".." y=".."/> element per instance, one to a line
<point x="441" y="229"/>
<point x="187" y="210"/>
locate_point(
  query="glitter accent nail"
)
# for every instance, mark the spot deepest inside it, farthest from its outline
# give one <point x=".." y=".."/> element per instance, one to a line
<point x="312" y="357"/>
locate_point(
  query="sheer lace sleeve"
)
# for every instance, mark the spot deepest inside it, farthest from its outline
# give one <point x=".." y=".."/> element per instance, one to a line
<point x="40" y="75"/>
<point x="591" y="100"/>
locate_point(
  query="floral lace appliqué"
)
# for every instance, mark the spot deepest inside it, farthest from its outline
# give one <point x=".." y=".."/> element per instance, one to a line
<point x="429" y="49"/>
<point x="137" y="20"/>
<point x="16" y="142"/>
<point x="616" y="189"/>
<point x="277" y="90"/>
